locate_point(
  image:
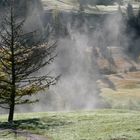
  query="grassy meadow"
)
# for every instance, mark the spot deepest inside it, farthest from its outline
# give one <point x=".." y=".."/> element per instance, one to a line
<point x="91" y="125"/>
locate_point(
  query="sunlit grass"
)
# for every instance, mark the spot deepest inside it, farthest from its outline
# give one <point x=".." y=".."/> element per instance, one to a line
<point x="126" y="91"/>
<point x="91" y="125"/>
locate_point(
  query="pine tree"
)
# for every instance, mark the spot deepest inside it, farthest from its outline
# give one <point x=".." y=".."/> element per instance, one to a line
<point x="20" y="58"/>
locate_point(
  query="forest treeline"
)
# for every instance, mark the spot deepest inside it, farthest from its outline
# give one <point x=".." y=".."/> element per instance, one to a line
<point x="133" y="31"/>
<point x="23" y="7"/>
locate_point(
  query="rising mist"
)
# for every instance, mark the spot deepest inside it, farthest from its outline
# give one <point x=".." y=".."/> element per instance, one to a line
<point x="76" y="62"/>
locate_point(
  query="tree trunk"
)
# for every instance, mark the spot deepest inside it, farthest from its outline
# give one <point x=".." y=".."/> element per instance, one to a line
<point x="11" y="114"/>
<point x="13" y="92"/>
<point x="11" y="111"/>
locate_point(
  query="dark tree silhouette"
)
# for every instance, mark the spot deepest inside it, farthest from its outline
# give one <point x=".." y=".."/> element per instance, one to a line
<point x="133" y="30"/>
<point x="20" y="58"/>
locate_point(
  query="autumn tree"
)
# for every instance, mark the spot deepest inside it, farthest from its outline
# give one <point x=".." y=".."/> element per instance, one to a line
<point x="21" y="56"/>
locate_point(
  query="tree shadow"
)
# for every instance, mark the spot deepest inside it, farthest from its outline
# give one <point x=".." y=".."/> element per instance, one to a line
<point x="33" y="124"/>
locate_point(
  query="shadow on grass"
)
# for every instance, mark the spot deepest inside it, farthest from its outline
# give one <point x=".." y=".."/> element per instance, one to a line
<point x="34" y="124"/>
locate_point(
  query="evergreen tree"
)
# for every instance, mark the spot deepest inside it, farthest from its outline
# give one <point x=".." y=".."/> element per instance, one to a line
<point x="20" y="58"/>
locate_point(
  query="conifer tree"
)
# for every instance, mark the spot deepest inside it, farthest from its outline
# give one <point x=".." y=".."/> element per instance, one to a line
<point x="21" y="56"/>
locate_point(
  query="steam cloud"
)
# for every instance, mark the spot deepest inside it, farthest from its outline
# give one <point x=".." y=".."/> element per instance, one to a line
<point x="77" y="87"/>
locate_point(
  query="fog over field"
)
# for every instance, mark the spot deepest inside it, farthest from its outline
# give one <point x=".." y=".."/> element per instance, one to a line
<point x="76" y="62"/>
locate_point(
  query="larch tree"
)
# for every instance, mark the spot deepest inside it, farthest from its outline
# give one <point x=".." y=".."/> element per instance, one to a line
<point x="21" y="56"/>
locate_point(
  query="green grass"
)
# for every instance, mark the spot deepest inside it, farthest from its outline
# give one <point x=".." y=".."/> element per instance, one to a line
<point x="92" y="125"/>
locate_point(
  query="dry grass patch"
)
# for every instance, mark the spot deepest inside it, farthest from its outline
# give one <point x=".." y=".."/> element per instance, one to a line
<point x="126" y="91"/>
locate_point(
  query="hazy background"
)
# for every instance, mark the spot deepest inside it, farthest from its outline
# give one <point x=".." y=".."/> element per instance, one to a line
<point x="76" y="61"/>
<point x="77" y="64"/>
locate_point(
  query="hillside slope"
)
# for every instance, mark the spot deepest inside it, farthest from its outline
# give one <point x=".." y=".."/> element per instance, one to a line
<point x="121" y="90"/>
<point x="73" y="5"/>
